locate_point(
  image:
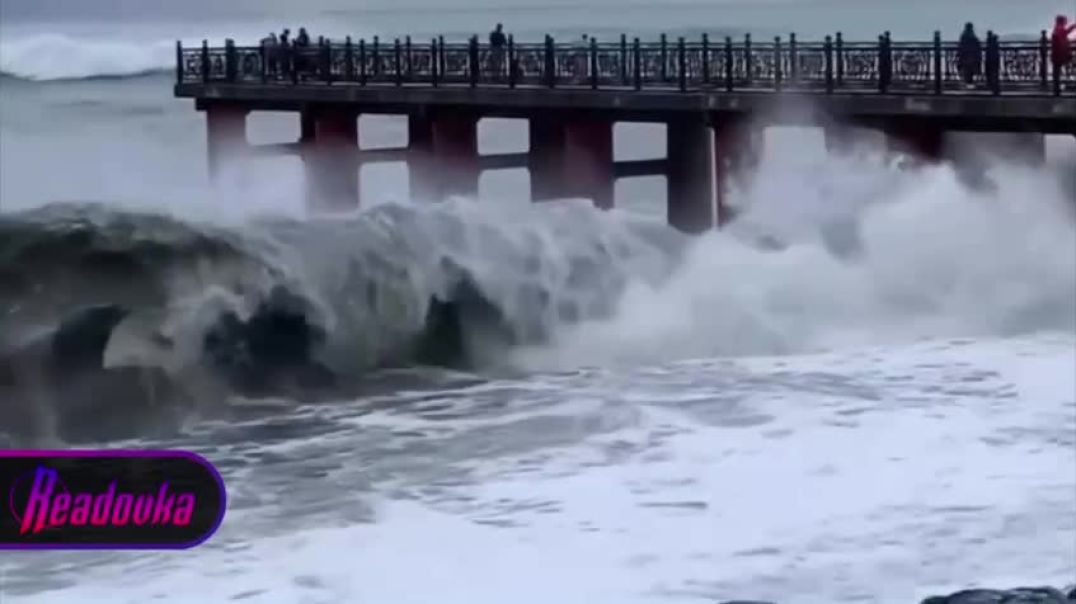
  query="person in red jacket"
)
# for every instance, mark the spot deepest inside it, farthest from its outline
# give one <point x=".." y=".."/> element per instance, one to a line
<point x="1060" y="45"/>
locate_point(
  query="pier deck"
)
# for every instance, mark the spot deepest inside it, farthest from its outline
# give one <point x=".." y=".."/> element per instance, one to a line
<point x="713" y="97"/>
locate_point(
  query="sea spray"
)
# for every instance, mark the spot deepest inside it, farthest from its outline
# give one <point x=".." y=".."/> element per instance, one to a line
<point x="886" y="256"/>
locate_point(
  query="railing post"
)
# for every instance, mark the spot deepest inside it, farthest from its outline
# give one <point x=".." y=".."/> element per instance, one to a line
<point x="441" y="55"/>
<point x="748" y="60"/>
<point x="593" y="62"/>
<point x="885" y="63"/>
<point x="993" y="63"/>
<point x="705" y="60"/>
<point x="729" y="62"/>
<point x="410" y="60"/>
<point x="349" y="60"/>
<point x="231" y="69"/>
<point x="397" y="60"/>
<point x="550" y="62"/>
<point x="473" y="66"/>
<point x="827" y="53"/>
<point x="327" y="61"/>
<point x="376" y="56"/>
<point x="511" y="62"/>
<point x="681" y="62"/>
<point x="840" y="60"/>
<point x="1044" y="59"/>
<point x="205" y="60"/>
<point x="623" y="59"/>
<point x="266" y="58"/>
<point x="777" y="62"/>
<point x="664" y="72"/>
<point x="362" y="61"/>
<point x="293" y="63"/>
<point x="793" y="59"/>
<point x="434" y="64"/>
<point x="637" y="63"/>
<point x="1058" y="70"/>
<point x="937" y="62"/>
<point x="179" y="62"/>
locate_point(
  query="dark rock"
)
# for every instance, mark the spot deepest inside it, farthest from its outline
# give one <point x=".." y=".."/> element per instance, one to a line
<point x="79" y="342"/>
<point x="458" y="327"/>
<point x="272" y="353"/>
<point x="1020" y="595"/>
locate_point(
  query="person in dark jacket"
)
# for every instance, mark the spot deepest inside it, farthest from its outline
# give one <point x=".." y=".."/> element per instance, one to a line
<point x="969" y="58"/>
<point x="497" y="39"/>
<point x="303" y="39"/>
<point x="497" y="44"/>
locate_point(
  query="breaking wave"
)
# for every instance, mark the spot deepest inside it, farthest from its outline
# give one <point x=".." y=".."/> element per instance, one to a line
<point x="45" y="57"/>
<point x="108" y="308"/>
<point x="115" y="322"/>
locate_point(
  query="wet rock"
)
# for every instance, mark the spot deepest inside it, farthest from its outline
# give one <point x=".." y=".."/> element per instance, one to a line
<point x="272" y="353"/>
<point x="78" y="344"/>
<point x="1019" y="595"/>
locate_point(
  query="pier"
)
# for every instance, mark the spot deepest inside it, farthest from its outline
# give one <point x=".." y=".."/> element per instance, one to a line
<point x="712" y="95"/>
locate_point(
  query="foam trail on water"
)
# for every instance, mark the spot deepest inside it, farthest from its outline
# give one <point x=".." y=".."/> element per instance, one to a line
<point x="882" y="256"/>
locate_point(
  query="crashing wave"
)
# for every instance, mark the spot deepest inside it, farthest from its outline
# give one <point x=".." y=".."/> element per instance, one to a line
<point x="138" y="319"/>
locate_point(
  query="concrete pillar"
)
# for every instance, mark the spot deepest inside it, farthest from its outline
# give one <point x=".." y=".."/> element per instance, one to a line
<point x="443" y="154"/>
<point x="331" y="159"/>
<point x="923" y="140"/>
<point x="737" y="151"/>
<point x="588" y="161"/>
<point x="546" y="158"/>
<point x="226" y="136"/>
<point x="690" y="200"/>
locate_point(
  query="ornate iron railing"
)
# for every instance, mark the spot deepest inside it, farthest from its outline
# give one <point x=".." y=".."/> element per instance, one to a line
<point x="832" y="65"/>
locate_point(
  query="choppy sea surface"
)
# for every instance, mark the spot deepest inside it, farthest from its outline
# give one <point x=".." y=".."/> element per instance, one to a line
<point x="861" y="391"/>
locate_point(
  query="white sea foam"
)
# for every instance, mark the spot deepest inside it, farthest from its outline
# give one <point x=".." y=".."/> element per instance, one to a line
<point x="883" y="473"/>
<point x="872" y="254"/>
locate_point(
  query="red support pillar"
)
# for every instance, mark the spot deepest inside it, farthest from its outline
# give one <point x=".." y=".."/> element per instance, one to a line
<point x="923" y="140"/>
<point x="443" y="155"/>
<point x="226" y="136"/>
<point x="455" y="151"/>
<point x="588" y="161"/>
<point x="689" y="179"/>
<point x="331" y="158"/>
<point x="737" y="151"/>
<point x="421" y="167"/>
<point x="546" y="159"/>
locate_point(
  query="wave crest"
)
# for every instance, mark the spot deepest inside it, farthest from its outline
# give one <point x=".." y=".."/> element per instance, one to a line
<point x="53" y="56"/>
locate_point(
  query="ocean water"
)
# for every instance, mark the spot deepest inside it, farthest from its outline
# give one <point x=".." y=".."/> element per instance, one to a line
<point x="861" y="391"/>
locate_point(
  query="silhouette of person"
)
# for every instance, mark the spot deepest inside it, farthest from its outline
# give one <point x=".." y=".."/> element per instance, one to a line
<point x="969" y="55"/>
<point x="497" y="43"/>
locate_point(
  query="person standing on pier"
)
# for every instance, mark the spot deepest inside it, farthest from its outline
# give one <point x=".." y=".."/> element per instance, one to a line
<point x="582" y="53"/>
<point x="284" y="57"/>
<point x="969" y="58"/>
<point x="270" y="52"/>
<point x="497" y="44"/>
<point x="1060" y="44"/>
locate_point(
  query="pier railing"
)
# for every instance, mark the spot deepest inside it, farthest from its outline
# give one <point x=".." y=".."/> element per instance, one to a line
<point x="833" y="65"/>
